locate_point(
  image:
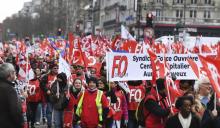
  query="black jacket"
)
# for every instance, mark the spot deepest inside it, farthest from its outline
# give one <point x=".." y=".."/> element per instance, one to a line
<point x="174" y="122"/>
<point x="10" y="106"/>
<point x="60" y="102"/>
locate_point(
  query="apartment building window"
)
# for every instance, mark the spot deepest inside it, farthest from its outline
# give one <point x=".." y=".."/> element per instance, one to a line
<point x="158" y="13"/>
<point x="193" y="1"/>
<point x="159" y="1"/>
<point x="193" y="13"/>
<point x="179" y="1"/>
<point x="207" y="1"/>
<point x="102" y="18"/>
<point x="179" y="13"/>
<point x="207" y="14"/>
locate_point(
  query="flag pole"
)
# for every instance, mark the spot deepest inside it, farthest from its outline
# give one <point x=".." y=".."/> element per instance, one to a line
<point x="27" y="73"/>
<point x="215" y="101"/>
<point x="168" y="93"/>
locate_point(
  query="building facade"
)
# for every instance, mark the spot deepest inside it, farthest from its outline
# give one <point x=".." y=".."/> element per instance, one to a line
<point x="30" y="8"/>
<point x="200" y="17"/>
<point x="113" y="13"/>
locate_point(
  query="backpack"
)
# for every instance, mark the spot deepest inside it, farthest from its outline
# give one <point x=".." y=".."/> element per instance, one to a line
<point x="61" y="102"/>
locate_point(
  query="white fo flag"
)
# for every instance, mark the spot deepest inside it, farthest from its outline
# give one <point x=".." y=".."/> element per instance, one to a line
<point x="64" y="67"/>
<point x="125" y="34"/>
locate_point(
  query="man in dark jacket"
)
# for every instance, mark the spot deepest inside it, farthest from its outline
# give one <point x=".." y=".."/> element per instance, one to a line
<point x="10" y="108"/>
<point x="45" y="84"/>
<point x="59" y="99"/>
<point x="185" y="118"/>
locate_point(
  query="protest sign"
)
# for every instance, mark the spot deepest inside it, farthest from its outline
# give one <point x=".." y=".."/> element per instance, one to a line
<point x="129" y="66"/>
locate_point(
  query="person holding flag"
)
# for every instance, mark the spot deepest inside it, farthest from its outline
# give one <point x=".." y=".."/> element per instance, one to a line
<point x="211" y="116"/>
<point x="45" y="85"/>
<point x="59" y="98"/>
<point x="156" y="110"/>
<point x="34" y="96"/>
<point x="75" y="91"/>
<point x="120" y="107"/>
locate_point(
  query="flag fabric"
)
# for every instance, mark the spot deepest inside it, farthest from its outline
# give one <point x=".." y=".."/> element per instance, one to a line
<point x="212" y="68"/>
<point x="64" y="67"/>
<point x="71" y="47"/>
<point x="129" y="18"/>
<point x="206" y="49"/>
<point x="194" y="67"/>
<point x="125" y="34"/>
<point x="25" y="70"/>
<point x="124" y="86"/>
<point x="153" y="59"/>
<point x="116" y="43"/>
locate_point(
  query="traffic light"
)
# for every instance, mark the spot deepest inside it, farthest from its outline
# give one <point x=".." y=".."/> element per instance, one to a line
<point x="149" y="20"/>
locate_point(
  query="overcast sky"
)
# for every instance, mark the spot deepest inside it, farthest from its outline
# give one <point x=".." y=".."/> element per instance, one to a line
<point x="9" y="7"/>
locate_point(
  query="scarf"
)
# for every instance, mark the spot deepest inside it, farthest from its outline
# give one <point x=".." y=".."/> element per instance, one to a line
<point x="92" y="90"/>
<point x="185" y="122"/>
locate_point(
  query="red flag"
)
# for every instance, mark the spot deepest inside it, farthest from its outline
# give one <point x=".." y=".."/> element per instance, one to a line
<point x="129" y="46"/>
<point x="218" y="50"/>
<point x="82" y="56"/>
<point x="194" y="67"/>
<point x="206" y="49"/>
<point x="71" y="46"/>
<point x="153" y="58"/>
<point x="77" y="59"/>
<point x="116" y="42"/>
<point x="212" y="69"/>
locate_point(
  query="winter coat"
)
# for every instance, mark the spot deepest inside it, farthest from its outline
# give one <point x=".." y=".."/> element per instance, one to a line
<point x="10" y="106"/>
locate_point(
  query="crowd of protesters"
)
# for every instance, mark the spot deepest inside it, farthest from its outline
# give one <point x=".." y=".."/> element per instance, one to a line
<point x="90" y="101"/>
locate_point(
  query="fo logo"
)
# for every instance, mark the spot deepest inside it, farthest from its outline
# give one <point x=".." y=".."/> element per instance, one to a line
<point x="120" y="65"/>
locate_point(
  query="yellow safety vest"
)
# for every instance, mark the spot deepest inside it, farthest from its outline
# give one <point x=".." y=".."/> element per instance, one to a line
<point x="98" y="104"/>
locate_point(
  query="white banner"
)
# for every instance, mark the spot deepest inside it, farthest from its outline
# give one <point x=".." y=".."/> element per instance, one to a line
<point x="129" y="66"/>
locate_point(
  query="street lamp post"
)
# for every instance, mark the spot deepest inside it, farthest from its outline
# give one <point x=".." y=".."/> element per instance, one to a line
<point x="138" y="14"/>
<point x="184" y="16"/>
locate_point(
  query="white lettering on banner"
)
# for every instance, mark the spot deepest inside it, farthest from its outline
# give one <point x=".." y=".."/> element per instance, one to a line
<point x="117" y="105"/>
<point x="135" y="95"/>
<point x="131" y="66"/>
<point x="92" y="60"/>
<point x="31" y="89"/>
<point x="138" y="48"/>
